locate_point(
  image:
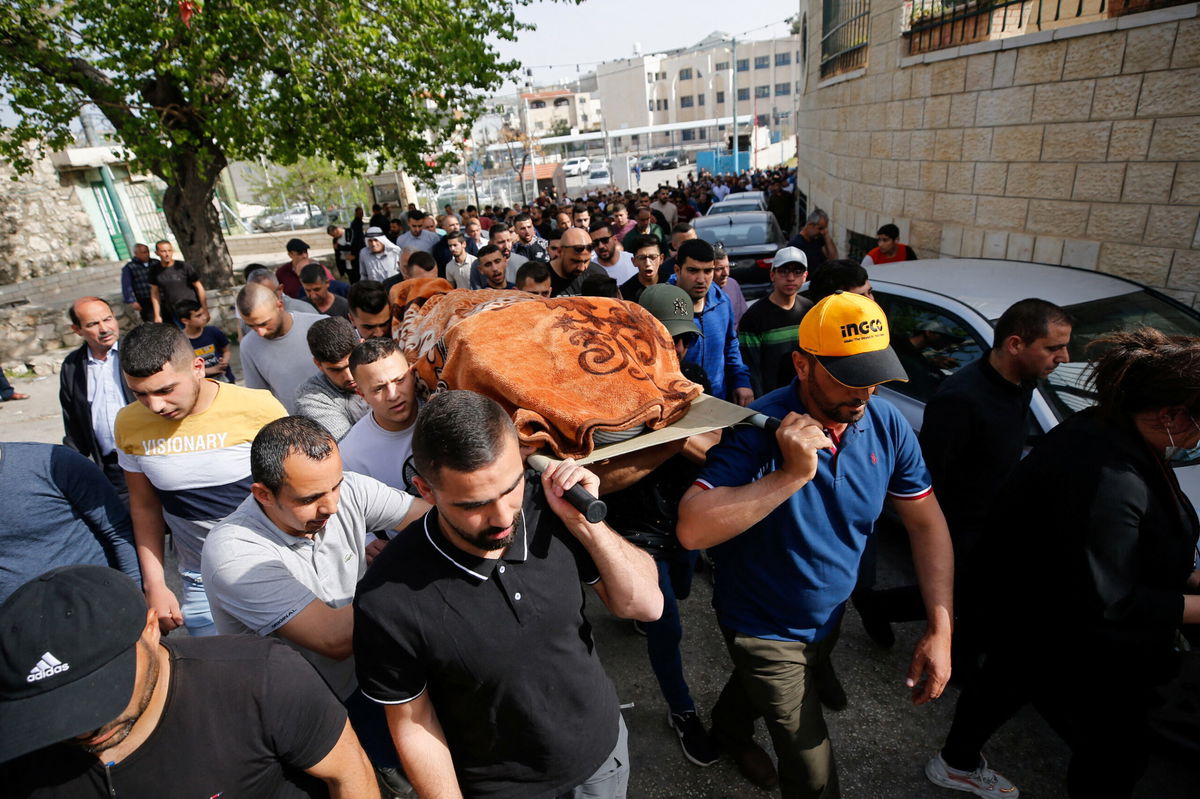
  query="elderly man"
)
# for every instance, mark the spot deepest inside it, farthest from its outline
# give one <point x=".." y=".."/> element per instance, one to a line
<point x="574" y="264"/>
<point x="380" y="259"/>
<point x="814" y="240"/>
<point x="275" y="354"/>
<point x="786" y="516"/>
<point x="135" y="282"/>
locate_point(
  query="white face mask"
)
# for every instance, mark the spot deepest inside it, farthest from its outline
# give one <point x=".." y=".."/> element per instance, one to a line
<point x="1174" y="454"/>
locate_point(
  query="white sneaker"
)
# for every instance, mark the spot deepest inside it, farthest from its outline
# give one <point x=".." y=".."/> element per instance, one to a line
<point x="981" y="782"/>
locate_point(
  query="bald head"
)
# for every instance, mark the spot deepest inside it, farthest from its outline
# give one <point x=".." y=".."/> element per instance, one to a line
<point x="574" y="253"/>
<point x="254" y="297"/>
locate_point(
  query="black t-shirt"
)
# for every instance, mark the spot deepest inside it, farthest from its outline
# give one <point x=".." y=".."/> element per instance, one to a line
<point x="768" y="336"/>
<point x="502" y="647"/>
<point x="244" y="717"/>
<point x="340" y="307"/>
<point x="174" y="284"/>
<point x="573" y="287"/>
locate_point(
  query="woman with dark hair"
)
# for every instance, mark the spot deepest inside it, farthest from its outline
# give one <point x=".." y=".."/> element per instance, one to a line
<point x="1086" y="572"/>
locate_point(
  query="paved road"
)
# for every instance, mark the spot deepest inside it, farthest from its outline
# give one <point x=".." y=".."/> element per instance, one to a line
<point x="881" y="741"/>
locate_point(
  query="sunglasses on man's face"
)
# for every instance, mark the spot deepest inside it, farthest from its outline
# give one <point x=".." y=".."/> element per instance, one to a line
<point x="579" y="249"/>
<point x="601" y="240"/>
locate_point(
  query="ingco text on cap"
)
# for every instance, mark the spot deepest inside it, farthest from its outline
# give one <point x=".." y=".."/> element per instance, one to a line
<point x="867" y="328"/>
<point x="844" y="324"/>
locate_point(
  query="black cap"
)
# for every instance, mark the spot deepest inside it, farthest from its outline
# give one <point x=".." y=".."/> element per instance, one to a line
<point x="297" y="245"/>
<point x="68" y="655"/>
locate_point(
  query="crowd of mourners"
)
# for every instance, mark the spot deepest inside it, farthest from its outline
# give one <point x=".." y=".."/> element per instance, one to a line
<point x="382" y="598"/>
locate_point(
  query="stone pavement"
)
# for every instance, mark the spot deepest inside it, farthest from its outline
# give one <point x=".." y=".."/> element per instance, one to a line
<point x="881" y="741"/>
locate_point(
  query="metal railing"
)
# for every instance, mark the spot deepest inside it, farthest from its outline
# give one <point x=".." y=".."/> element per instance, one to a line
<point x="938" y="24"/>
<point x="845" y="26"/>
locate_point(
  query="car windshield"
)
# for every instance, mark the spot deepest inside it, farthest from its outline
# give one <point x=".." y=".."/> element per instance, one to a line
<point x="725" y="208"/>
<point x="740" y="233"/>
<point x="1067" y="385"/>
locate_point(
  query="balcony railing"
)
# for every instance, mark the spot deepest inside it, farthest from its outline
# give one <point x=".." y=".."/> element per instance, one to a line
<point x="937" y="24"/>
<point x="844" y="37"/>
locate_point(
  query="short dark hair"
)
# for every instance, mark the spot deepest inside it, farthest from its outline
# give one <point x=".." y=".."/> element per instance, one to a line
<point x="696" y="249"/>
<point x="535" y="271"/>
<point x="459" y="430"/>
<point x="332" y="339"/>
<point x="617" y="207"/>
<point x="367" y="295"/>
<point x="889" y="230"/>
<point x="185" y="308"/>
<point x="840" y="275"/>
<point x="681" y="227"/>
<point x="416" y="214"/>
<point x="596" y="285"/>
<point x="250" y="269"/>
<point x="150" y="346"/>
<point x="555" y="235"/>
<point x="372" y="350"/>
<point x="646" y="240"/>
<point x="486" y="249"/>
<point x="580" y="208"/>
<point x="498" y="227"/>
<point x="422" y="259"/>
<point x="1029" y="320"/>
<point x="599" y="224"/>
<point x="313" y="273"/>
<point x="522" y="217"/>
<point x="280" y="438"/>
<point x="456" y="234"/>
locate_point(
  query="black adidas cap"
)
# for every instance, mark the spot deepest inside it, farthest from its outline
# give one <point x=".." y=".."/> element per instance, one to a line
<point x="67" y="655"/>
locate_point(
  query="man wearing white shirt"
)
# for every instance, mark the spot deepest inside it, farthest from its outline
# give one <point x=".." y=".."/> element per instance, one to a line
<point x="380" y="259"/>
<point x="458" y="268"/>
<point x="610" y="255"/>
<point x="380" y="443"/>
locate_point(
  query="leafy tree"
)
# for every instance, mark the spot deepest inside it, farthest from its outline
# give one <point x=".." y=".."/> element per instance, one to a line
<point x="188" y="86"/>
<point x="312" y="180"/>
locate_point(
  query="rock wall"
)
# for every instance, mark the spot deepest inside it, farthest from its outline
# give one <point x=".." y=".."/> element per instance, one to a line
<point x="43" y="227"/>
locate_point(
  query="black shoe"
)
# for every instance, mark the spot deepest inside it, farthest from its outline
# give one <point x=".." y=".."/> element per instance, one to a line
<point x="697" y="746"/>
<point x="639" y="628"/>
<point x="830" y="690"/>
<point x="755" y="764"/>
<point x="878" y="628"/>
<point x="392" y="783"/>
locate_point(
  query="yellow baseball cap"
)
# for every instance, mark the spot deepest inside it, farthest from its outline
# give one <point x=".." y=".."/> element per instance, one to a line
<point x="848" y="334"/>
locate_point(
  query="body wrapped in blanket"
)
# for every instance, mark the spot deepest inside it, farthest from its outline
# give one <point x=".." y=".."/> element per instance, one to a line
<point x="566" y="368"/>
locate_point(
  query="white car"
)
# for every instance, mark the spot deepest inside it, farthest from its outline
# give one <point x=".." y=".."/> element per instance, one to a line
<point x="574" y="167"/>
<point x="600" y="177"/>
<point x="965" y="296"/>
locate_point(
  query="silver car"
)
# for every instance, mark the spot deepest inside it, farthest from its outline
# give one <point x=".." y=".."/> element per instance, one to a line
<point x="963" y="297"/>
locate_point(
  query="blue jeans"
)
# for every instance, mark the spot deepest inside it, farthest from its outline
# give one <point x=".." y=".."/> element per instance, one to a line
<point x="197" y="616"/>
<point x="663" y="636"/>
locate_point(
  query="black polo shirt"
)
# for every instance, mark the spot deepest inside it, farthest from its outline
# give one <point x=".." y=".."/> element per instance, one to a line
<point x="975" y="428"/>
<point x="502" y="647"/>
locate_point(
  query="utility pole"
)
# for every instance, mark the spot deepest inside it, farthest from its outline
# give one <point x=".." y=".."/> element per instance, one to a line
<point x="110" y="188"/>
<point x="733" y="92"/>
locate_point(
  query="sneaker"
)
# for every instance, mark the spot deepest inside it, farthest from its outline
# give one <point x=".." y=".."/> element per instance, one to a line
<point x="392" y="783"/>
<point x="697" y="746"/>
<point x="981" y="782"/>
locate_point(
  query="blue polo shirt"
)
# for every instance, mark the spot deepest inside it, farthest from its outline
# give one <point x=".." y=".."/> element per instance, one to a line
<point x="788" y="577"/>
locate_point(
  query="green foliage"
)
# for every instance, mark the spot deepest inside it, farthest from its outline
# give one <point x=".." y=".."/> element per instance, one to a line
<point x="312" y="180"/>
<point x="561" y="127"/>
<point x="279" y="78"/>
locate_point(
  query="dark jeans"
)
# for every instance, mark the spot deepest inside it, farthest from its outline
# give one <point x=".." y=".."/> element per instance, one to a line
<point x="6" y="389"/>
<point x="663" y="636"/>
<point x="1095" y="704"/>
<point x="370" y="725"/>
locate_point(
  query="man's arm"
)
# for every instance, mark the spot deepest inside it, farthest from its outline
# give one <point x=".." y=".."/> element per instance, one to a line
<point x="322" y="629"/>
<point x="346" y="769"/>
<point x="127" y="295"/>
<point x="933" y="557"/>
<point x="95" y="501"/>
<point x="73" y="434"/>
<point x="421" y="744"/>
<point x="708" y="517"/>
<point x="148" y="534"/>
<point x="251" y="377"/>
<point x="735" y="368"/>
<point x="156" y="302"/>
<point x="200" y="296"/>
<point x="830" y="248"/>
<point x="628" y="583"/>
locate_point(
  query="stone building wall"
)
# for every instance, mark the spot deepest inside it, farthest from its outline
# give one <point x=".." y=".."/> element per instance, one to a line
<point x="1077" y="146"/>
<point x="43" y="227"/>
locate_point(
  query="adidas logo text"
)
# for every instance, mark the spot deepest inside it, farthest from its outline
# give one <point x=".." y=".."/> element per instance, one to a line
<point x="47" y="666"/>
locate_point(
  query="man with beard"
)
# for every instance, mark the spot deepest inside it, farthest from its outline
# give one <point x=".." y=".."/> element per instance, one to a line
<point x="503" y="238"/>
<point x="574" y="263"/>
<point x="610" y="254"/>
<point x="448" y="614"/>
<point x="786" y="516"/>
<point x="111" y="708"/>
<point x="528" y="243"/>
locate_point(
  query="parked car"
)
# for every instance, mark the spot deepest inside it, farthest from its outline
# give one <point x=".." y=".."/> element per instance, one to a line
<point x="600" y="177"/>
<point x="331" y="216"/>
<point x="292" y="218"/>
<point x="667" y="161"/>
<point x="734" y="203"/>
<point x="751" y="238"/>
<point x="646" y="162"/>
<point x="574" y="167"/>
<point x="966" y="296"/>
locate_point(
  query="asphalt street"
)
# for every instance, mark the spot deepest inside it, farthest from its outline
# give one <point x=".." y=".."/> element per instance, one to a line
<point x="881" y="741"/>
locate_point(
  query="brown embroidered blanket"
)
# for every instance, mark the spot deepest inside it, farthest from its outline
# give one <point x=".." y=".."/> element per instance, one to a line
<point x="564" y="368"/>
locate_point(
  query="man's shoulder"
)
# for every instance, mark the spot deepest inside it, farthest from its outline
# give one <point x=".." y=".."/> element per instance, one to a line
<point x="317" y="389"/>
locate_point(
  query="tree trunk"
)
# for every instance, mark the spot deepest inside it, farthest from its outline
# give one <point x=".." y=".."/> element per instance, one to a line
<point x="193" y="218"/>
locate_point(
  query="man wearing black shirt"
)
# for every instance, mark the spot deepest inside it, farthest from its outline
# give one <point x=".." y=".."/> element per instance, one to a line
<point x="975" y="428"/>
<point x="469" y="626"/>
<point x="108" y="708"/>
<point x="769" y="332"/>
<point x="573" y="264"/>
<point x="172" y="281"/>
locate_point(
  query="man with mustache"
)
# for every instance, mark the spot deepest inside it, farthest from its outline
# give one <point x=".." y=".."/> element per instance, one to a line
<point x="786" y="517"/>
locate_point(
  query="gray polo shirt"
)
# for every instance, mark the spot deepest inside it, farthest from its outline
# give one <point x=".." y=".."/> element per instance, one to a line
<point x="258" y="577"/>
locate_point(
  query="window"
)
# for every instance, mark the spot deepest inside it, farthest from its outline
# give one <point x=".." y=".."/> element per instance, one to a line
<point x="743" y="94"/>
<point x="783" y="89"/>
<point x="845" y="25"/>
<point x="700" y="99"/>
<point x="651" y="104"/>
<point x="703" y="134"/>
<point x="925" y="350"/>
<point x="722" y="66"/>
<point x="689" y="135"/>
<point x="538" y="104"/>
<point x="661" y="75"/>
<point x="720" y="97"/>
<point x="762" y="61"/>
<point x="743" y="65"/>
<point x="561" y="101"/>
<point x="649" y="77"/>
<point x="762" y="120"/>
<point x="686" y="101"/>
<point x="685" y="73"/>
<point x="762" y="91"/>
<point x="783" y="59"/>
<point x="662" y="105"/>
<point x="783" y="116"/>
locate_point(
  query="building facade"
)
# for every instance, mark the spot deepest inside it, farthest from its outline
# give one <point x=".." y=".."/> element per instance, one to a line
<point x="1004" y="132"/>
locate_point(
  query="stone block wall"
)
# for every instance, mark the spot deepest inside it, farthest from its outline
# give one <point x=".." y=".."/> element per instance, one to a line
<point x="43" y="227"/>
<point x="1077" y="146"/>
